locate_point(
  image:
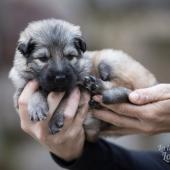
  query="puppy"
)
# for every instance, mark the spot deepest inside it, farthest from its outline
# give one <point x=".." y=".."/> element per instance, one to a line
<point x="53" y="52"/>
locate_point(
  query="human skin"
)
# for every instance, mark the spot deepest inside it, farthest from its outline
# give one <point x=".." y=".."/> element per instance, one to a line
<point x="147" y="112"/>
<point x="69" y="142"/>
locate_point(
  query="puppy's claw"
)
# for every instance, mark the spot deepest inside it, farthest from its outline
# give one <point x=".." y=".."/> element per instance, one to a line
<point x="38" y="113"/>
<point x="94" y="87"/>
<point x="86" y="81"/>
<point x="31" y="118"/>
<point x="92" y="84"/>
<point x="94" y="105"/>
<point x="92" y="78"/>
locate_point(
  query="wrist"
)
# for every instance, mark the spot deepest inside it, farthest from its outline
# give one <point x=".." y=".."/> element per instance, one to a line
<point x="68" y="153"/>
<point x="65" y="156"/>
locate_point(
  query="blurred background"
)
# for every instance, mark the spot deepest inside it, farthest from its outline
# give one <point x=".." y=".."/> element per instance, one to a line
<point x="140" y="28"/>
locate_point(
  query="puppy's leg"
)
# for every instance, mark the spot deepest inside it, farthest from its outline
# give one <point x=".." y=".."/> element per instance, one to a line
<point x="115" y="95"/>
<point x="57" y="120"/>
<point x="37" y="107"/>
<point x="110" y="93"/>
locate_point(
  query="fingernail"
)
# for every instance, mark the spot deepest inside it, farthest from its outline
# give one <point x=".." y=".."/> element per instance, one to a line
<point x="97" y="98"/>
<point x="135" y="96"/>
<point x="33" y="82"/>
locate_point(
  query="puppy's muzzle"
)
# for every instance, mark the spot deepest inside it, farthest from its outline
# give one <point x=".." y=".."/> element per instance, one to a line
<point x="51" y="79"/>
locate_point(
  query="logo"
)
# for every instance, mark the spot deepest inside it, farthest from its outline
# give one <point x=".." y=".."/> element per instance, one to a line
<point x="165" y="151"/>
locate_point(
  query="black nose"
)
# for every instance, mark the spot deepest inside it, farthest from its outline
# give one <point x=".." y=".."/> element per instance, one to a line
<point x="60" y="78"/>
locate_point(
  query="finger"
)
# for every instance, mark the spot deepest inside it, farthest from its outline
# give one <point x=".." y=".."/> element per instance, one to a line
<point x="117" y="120"/>
<point x="82" y="110"/>
<point x="29" y="89"/>
<point x="125" y="109"/>
<point x="151" y="94"/>
<point x="71" y="107"/>
<point x="53" y="100"/>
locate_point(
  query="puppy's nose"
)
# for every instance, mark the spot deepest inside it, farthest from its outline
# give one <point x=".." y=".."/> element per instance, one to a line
<point x="60" y="78"/>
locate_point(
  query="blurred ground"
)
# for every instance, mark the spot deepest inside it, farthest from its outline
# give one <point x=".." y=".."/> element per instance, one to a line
<point x="140" y="28"/>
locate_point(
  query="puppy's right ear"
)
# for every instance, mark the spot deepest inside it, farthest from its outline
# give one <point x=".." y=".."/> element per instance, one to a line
<point x="80" y="44"/>
<point x="26" y="48"/>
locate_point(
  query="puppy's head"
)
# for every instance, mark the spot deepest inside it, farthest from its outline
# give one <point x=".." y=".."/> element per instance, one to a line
<point x="51" y="50"/>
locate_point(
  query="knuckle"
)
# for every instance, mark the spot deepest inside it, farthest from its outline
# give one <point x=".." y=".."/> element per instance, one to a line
<point x="52" y="95"/>
<point x="149" y="129"/>
<point x="71" y="134"/>
<point x="22" y="101"/>
<point x="68" y="116"/>
<point x="60" y="141"/>
<point x="24" y="127"/>
<point x="117" y="123"/>
<point x="41" y="137"/>
<point x="148" y="116"/>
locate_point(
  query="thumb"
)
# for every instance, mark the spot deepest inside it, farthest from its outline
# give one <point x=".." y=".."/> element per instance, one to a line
<point x="151" y="94"/>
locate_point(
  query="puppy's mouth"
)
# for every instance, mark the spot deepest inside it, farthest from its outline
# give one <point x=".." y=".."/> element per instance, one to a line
<point x="52" y="80"/>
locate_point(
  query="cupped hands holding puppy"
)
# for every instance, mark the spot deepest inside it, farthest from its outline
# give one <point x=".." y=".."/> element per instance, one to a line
<point x="148" y="112"/>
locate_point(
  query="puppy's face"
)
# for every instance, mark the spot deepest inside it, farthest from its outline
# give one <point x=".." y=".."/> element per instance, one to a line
<point x="51" y="50"/>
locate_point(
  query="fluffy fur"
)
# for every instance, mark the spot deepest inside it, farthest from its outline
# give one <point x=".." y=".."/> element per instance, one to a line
<point x="53" y="52"/>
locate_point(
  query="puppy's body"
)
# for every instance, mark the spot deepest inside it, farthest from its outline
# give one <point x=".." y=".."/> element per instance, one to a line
<point x="53" y="52"/>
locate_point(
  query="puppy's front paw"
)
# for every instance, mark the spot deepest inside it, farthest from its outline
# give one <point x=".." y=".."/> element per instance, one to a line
<point x="93" y="84"/>
<point x="37" y="111"/>
<point x="94" y="105"/>
<point x="37" y="107"/>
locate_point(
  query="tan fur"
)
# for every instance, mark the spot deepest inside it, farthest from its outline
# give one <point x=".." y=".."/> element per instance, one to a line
<point x="57" y="39"/>
<point x="126" y="72"/>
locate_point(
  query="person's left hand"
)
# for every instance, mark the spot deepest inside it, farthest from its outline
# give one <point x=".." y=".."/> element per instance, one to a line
<point x="150" y="113"/>
<point x="67" y="144"/>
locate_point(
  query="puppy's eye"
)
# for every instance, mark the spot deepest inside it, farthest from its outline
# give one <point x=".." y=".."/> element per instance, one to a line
<point x="43" y="59"/>
<point x="70" y="56"/>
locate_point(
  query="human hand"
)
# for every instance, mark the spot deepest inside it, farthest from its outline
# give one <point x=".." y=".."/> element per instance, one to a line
<point x="148" y="112"/>
<point x="68" y="143"/>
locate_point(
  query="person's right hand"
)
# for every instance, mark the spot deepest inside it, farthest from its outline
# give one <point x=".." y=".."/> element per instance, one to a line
<point x="68" y="143"/>
<point x="148" y="112"/>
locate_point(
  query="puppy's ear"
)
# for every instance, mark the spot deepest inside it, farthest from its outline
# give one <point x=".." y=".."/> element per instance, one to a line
<point x="80" y="44"/>
<point x="26" y="48"/>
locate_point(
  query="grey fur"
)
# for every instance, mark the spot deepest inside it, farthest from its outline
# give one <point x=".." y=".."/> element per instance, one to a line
<point x="52" y="51"/>
<point x="53" y="39"/>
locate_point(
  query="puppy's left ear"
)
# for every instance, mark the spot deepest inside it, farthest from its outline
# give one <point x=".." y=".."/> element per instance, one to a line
<point x="80" y="44"/>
